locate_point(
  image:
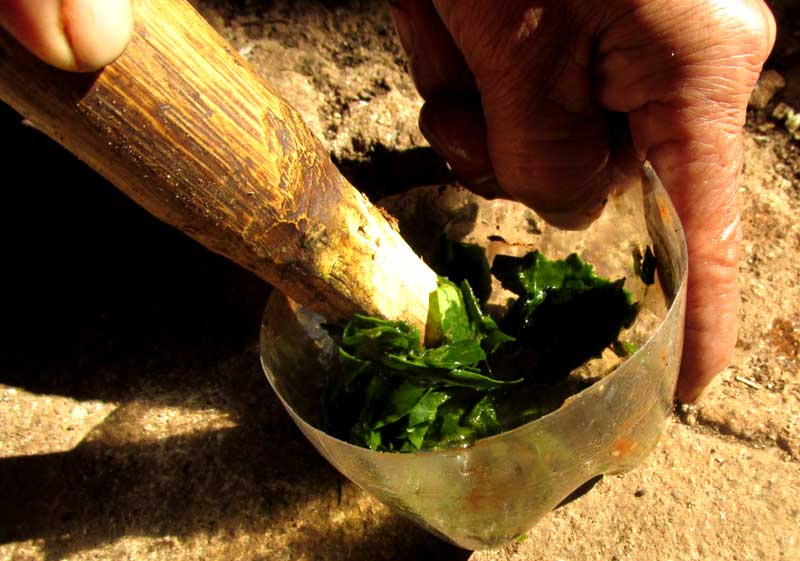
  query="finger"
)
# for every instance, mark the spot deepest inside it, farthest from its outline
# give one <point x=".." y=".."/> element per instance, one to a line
<point x="455" y="128"/>
<point x="687" y="114"/>
<point x="700" y="170"/>
<point x="548" y="142"/>
<point x="452" y="117"/>
<point x="436" y="63"/>
<point x="79" y="35"/>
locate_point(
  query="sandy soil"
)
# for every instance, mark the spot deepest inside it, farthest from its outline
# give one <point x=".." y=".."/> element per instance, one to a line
<point x="135" y="422"/>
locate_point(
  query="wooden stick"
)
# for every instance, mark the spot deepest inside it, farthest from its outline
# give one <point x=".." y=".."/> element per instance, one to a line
<point x="185" y="127"/>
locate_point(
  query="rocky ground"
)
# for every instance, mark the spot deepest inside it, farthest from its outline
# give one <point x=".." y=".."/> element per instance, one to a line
<point x="135" y="422"/>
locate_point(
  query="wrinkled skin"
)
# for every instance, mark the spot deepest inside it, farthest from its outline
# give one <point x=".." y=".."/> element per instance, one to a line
<point x="554" y="101"/>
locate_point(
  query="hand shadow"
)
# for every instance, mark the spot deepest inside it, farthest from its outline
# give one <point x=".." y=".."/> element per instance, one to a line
<point x="259" y="482"/>
<point x="101" y="301"/>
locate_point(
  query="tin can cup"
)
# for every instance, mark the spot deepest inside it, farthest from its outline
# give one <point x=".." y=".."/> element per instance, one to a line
<point x="489" y="493"/>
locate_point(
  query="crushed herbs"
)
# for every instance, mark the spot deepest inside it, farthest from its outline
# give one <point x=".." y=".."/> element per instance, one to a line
<point x="394" y="394"/>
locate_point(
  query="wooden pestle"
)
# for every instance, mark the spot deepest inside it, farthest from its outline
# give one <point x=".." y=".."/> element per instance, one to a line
<point x="182" y="125"/>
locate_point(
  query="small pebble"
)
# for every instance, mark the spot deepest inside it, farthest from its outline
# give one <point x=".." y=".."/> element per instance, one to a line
<point x="768" y="83"/>
<point x="781" y="110"/>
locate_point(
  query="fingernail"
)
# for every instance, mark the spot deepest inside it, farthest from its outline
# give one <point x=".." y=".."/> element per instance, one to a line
<point x="97" y="30"/>
<point x="37" y="26"/>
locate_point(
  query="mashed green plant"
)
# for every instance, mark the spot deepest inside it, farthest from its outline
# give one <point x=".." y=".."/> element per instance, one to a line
<point x="394" y="394"/>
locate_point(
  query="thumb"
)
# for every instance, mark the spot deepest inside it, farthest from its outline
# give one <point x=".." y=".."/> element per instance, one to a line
<point x="77" y="35"/>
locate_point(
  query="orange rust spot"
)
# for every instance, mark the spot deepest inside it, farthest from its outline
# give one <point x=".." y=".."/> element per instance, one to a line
<point x="663" y="210"/>
<point x="622" y="446"/>
<point x="479" y="499"/>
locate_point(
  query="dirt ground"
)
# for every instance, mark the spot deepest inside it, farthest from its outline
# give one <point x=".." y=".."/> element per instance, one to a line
<point x="135" y="422"/>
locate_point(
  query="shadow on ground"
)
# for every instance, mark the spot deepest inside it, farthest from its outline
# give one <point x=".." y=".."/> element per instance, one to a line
<point x="100" y="301"/>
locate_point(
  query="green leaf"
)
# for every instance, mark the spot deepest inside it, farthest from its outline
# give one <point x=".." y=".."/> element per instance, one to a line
<point x="447" y="316"/>
<point x="451" y="430"/>
<point x="424" y="412"/>
<point x="374" y="400"/>
<point x="353" y="367"/>
<point x="534" y="276"/>
<point x="494" y="339"/>
<point x="413" y="368"/>
<point x="400" y="401"/>
<point x="490" y="334"/>
<point x="531" y="275"/>
<point x="397" y="419"/>
<point x="623" y="348"/>
<point x="422" y="416"/>
<point x="464" y="353"/>
<point x="415" y="438"/>
<point x="473" y="308"/>
<point x="373" y="440"/>
<point x="483" y="416"/>
<point x="368" y="337"/>
<point x="472" y="378"/>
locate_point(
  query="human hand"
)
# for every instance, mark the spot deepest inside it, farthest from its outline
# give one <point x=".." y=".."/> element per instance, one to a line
<point x="78" y="35"/>
<point x="555" y="100"/>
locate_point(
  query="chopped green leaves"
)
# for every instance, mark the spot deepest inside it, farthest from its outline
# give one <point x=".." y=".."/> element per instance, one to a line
<point x="372" y="338"/>
<point x="565" y="313"/>
<point x="394" y="395"/>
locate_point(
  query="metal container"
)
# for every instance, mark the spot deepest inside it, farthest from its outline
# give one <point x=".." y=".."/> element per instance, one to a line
<point x="491" y="492"/>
